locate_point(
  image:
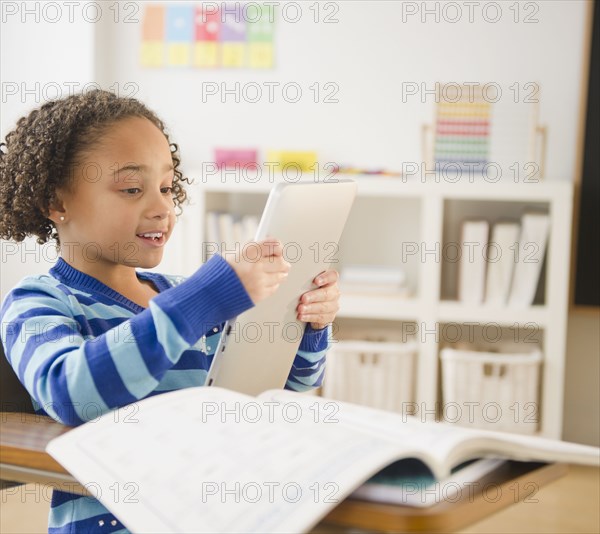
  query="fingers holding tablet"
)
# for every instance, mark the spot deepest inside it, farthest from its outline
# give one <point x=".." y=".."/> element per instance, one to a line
<point x="261" y="268"/>
<point x="319" y="306"/>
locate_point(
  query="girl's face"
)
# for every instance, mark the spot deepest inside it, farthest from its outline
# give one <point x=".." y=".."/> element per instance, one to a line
<point x="120" y="210"/>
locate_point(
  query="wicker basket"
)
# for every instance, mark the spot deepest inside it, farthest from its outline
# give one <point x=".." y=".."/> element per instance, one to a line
<point x="372" y="373"/>
<point x="492" y="390"/>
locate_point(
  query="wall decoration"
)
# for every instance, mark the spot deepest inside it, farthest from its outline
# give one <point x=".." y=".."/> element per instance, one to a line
<point x="208" y="35"/>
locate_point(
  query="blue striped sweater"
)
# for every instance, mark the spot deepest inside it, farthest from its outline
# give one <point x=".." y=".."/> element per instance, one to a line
<point x="82" y="349"/>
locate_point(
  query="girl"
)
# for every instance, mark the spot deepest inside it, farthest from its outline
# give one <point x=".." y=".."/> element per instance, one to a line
<point x="99" y="174"/>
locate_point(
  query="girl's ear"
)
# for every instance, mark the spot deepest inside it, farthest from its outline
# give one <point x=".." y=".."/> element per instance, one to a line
<point x="56" y="212"/>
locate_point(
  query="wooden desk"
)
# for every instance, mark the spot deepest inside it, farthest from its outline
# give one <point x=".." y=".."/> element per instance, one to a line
<point x="23" y="457"/>
<point x="570" y="504"/>
<point x="23" y="439"/>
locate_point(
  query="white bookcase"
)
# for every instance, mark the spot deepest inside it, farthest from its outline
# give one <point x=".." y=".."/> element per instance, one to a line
<point x="404" y="223"/>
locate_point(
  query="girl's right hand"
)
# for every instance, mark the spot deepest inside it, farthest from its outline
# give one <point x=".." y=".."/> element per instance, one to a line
<point x="260" y="266"/>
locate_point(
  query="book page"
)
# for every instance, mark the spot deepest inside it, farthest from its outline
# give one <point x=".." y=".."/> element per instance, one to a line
<point x="444" y="445"/>
<point x="210" y="460"/>
<point x="432" y="443"/>
<point x="525" y="448"/>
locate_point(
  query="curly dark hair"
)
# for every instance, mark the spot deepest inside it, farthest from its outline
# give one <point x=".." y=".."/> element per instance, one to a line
<point x="36" y="157"/>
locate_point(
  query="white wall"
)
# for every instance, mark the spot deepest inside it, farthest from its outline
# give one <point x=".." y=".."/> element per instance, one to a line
<point x="370" y="53"/>
<point x="41" y="60"/>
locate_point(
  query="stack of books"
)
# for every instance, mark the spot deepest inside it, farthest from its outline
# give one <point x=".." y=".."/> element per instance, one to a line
<point x="373" y="279"/>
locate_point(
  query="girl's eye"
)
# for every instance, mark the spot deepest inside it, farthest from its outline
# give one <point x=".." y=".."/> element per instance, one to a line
<point x="131" y="191"/>
<point x="166" y="190"/>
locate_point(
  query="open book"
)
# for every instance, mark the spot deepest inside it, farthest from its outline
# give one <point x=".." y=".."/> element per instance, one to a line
<point x="212" y="460"/>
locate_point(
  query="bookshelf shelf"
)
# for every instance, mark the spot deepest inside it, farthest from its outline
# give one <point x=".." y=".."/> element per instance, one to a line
<point x="406" y="223"/>
<point x="507" y="317"/>
<point x="397" y="308"/>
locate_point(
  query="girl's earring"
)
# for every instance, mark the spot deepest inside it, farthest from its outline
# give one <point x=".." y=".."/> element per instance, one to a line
<point x="62" y="218"/>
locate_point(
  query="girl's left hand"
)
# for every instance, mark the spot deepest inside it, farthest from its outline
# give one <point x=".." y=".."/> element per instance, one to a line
<point x="319" y="306"/>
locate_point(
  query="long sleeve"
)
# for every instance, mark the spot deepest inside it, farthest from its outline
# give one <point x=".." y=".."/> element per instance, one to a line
<point x="75" y="377"/>
<point x="309" y="364"/>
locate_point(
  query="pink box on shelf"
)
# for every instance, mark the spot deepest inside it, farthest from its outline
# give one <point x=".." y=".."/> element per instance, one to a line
<point x="231" y="157"/>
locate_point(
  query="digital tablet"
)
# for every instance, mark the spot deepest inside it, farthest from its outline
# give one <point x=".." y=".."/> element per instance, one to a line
<point x="257" y="348"/>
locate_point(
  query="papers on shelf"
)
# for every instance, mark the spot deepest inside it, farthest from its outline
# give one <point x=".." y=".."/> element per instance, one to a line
<point x="505" y="238"/>
<point x="535" y="228"/>
<point x="471" y="283"/>
<point x="376" y="279"/>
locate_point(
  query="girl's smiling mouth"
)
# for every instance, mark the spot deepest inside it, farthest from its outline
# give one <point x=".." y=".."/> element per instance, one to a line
<point x="155" y="239"/>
